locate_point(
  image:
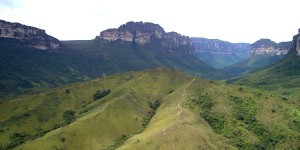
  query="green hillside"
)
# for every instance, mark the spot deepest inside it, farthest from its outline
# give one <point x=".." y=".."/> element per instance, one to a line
<point x="25" y="69"/>
<point x="283" y="76"/>
<point x="251" y="64"/>
<point x="153" y="109"/>
<point x="220" y="61"/>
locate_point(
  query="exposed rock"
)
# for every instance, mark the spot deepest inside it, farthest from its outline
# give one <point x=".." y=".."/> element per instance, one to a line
<point x="35" y="37"/>
<point x="215" y="46"/>
<point x="146" y="33"/>
<point x="298" y="43"/>
<point x="268" y="47"/>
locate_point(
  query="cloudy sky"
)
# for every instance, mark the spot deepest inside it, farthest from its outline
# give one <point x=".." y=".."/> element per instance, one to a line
<point x="230" y="20"/>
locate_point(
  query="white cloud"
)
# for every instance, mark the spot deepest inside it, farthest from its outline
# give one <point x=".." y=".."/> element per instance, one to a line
<point x="231" y="20"/>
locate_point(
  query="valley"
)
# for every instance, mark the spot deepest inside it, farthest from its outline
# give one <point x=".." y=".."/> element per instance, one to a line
<point x="140" y="87"/>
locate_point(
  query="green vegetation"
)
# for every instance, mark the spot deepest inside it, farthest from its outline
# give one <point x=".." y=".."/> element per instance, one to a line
<point x="69" y="116"/>
<point x="151" y="112"/>
<point x="118" y="143"/>
<point x="251" y="64"/>
<point x="100" y="94"/>
<point x="28" y="70"/>
<point x="141" y="110"/>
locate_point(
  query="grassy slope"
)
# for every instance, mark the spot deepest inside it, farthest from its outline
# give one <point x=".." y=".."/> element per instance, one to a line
<point x="121" y="112"/>
<point x="284" y="75"/>
<point x="220" y="61"/>
<point x="251" y="64"/>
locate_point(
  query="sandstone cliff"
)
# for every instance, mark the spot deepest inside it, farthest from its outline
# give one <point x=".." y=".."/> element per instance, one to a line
<point x="34" y="37"/>
<point x="148" y="33"/>
<point x="215" y="46"/>
<point x="268" y="47"/>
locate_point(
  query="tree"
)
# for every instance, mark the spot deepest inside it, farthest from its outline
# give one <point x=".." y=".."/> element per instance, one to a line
<point x="69" y="116"/>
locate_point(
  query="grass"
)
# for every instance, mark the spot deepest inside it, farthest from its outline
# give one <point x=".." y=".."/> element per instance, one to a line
<point x="214" y="115"/>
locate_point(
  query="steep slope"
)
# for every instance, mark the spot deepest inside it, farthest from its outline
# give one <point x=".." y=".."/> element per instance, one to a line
<point x="152" y="109"/>
<point x="263" y="53"/>
<point x="30" y="59"/>
<point x="218" y="53"/>
<point x="251" y="64"/>
<point x="282" y="75"/>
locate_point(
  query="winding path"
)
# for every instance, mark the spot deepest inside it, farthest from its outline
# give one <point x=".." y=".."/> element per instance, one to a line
<point x="178" y="114"/>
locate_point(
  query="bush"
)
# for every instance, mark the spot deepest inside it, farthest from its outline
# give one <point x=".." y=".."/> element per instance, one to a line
<point x="150" y="113"/>
<point x="69" y="116"/>
<point x="63" y="139"/>
<point x="100" y="94"/>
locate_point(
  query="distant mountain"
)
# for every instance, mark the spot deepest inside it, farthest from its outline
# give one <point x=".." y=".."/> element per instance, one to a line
<point x="218" y="54"/>
<point x="30" y="59"/>
<point x="263" y="52"/>
<point x="143" y="34"/>
<point x="268" y="47"/>
<point x="31" y="36"/>
<point x="283" y="74"/>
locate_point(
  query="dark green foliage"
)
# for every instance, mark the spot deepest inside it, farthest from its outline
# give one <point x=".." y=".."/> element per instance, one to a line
<point x="240" y="89"/>
<point x="204" y="101"/>
<point x="69" y="116"/>
<point x="17" y="139"/>
<point x="150" y="113"/>
<point x="63" y="139"/>
<point x="215" y="120"/>
<point x="67" y="91"/>
<point x="245" y="111"/>
<point x="100" y="94"/>
<point x="118" y="143"/>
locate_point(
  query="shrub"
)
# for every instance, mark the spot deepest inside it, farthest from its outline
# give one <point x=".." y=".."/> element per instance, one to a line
<point x="150" y="113"/>
<point x="63" y="139"/>
<point x="67" y="91"/>
<point x="100" y="94"/>
<point x="69" y="116"/>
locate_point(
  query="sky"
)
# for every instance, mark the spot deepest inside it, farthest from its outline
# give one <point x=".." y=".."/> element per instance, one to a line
<point x="229" y="20"/>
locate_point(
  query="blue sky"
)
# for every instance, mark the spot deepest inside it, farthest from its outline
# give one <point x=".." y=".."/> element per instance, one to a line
<point x="230" y="20"/>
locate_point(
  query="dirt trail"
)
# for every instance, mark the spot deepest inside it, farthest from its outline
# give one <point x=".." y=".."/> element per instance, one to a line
<point x="178" y="114"/>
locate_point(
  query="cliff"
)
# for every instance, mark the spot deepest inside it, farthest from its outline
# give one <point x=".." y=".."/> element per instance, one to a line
<point x="144" y="33"/>
<point x="215" y="46"/>
<point x="33" y="37"/>
<point x="268" y="47"/>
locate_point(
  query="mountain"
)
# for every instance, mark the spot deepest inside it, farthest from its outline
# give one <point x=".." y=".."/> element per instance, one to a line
<point x="283" y="74"/>
<point x="218" y="54"/>
<point x="152" y="109"/>
<point x="268" y="47"/>
<point x="141" y="33"/>
<point x="31" y="36"/>
<point x="31" y="60"/>
<point x="263" y="53"/>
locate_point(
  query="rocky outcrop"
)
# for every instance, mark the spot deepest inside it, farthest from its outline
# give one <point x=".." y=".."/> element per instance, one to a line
<point x="268" y="47"/>
<point x="215" y="46"/>
<point x="297" y="42"/>
<point x="34" y="37"/>
<point x="143" y="33"/>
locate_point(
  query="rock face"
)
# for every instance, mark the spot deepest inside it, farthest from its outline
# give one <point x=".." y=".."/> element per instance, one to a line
<point x="146" y="33"/>
<point x="268" y="47"/>
<point x="33" y="36"/>
<point x="298" y="43"/>
<point x="215" y="46"/>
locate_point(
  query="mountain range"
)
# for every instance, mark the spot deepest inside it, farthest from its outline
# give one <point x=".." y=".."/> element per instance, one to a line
<point x="139" y="87"/>
<point x="31" y="59"/>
